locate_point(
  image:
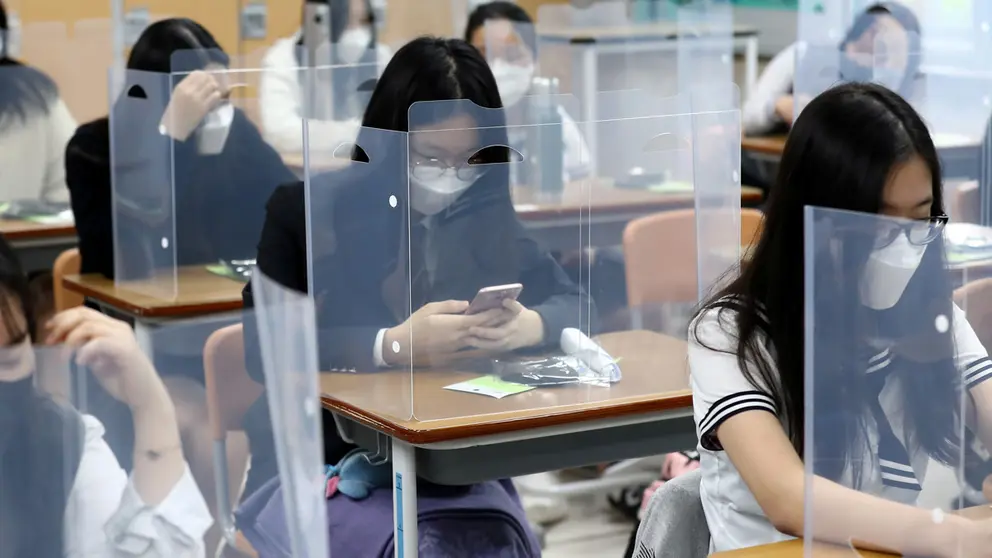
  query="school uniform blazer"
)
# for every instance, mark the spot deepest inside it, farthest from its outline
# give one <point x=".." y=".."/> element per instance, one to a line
<point x="218" y="204"/>
<point x="360" y="236"/>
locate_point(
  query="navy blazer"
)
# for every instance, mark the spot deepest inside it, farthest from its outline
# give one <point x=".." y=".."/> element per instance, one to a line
<point x="360" y="218"/>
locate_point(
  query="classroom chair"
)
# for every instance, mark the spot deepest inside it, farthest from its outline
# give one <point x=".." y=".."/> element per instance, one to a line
<point x="68" y="263"/>
<point x="224" y="369"/>
<point x="752" y="223"/>
<point x="674" y="525"/>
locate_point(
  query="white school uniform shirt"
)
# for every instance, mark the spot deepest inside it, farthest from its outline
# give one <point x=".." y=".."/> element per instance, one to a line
<point x="776" y="81"/>
<point x="720" y="391"/>
<point x="105" y="517"/>
<point x="32" y="154"/>
<point x="281" y="103"/>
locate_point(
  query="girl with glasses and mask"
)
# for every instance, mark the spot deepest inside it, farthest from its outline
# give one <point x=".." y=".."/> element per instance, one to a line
<point x="398" y="259"/>
<point x="855" y="148"/>
<point x="340" y="38"/>
<point x="504" y="34"/>
<point x="770" y="107"/>
<point x="62" y="491"/>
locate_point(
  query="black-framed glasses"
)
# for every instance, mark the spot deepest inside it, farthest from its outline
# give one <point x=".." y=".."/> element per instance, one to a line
<point x="432" y="168"/>
<point x="919" y="233"/>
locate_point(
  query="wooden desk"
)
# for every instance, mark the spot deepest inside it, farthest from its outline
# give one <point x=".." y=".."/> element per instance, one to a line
<point x="794" y="548"/>
<point x="599" y="209"/>
<point x="38" y="245"/>
<point x="196" y="297"/>
<point x="459" y="438"/>
<point x="765" y="147"/>
<point x="197" y="292"/>
<point x="655" y="378"/>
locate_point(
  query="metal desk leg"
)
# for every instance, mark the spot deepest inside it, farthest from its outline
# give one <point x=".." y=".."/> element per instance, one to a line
<point x="590" y="84"/>
<point x="750" y="65"/>
<point x="143" y="333"/>
<point x="404" y="500"/>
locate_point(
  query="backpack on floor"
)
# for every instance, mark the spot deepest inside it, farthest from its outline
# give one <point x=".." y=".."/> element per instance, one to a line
<point x="482" y="520"/>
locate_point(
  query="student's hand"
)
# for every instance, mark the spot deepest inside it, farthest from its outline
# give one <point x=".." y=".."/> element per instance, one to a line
<point x="785" y="108"/>
<point x="524" y="328"/>
<point x="434" y="333"/>
<point x="195" y="96"/>
<point x="108" y="348"/>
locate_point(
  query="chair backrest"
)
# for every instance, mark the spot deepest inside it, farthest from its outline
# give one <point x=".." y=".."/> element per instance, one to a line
<point x="660" y="258"/>
<point x="68" y="263"/>
<point x="752" y="223"/>
<point x="660" y="255"/>
<point x="674" y="525"/>
<point x="975" y="298"/>
<point x="230" y="390"/>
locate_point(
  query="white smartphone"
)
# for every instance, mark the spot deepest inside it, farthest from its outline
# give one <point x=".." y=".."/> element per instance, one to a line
<point x="493" y="297"/>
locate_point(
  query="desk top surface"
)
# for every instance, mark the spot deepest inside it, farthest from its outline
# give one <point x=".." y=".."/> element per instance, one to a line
<point x="195" y="291"/>
<point x="420" y="411"/>
<point x="658" y="30"/>
<point x="794" y="548"/>
<point x="14" y="229"/>
<point x="769" y="145"/>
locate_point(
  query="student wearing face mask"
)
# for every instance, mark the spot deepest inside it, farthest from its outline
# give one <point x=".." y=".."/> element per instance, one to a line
<point x="770" y="107"/>
<point x="35" y="125"/>
<point x="223" y="169"/>
<point x="503" y="33"/>
<point x="208" y="174"/>
<point x="458" y="221"/>
<point x="334" y="33"/>
<point x="62" y="492"/>
<point x="857" y="148"/>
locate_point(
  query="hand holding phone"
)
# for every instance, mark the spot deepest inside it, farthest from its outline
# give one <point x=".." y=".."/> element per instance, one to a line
<point x="489" y="298"/>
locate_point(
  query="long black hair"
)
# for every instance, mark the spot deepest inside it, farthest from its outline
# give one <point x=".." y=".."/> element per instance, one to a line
<point x="40" y="440"/>
<point x="348" y="84"/>
<point x="839" y="155"/>
<point x="24" y="91"/>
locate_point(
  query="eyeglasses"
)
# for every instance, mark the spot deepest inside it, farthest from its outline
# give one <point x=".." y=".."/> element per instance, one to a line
<point x="919" y="233"/>
<point x="432" y="168"/>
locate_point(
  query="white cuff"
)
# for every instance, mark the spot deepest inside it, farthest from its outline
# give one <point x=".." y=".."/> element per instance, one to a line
<point x="377" y="350"/>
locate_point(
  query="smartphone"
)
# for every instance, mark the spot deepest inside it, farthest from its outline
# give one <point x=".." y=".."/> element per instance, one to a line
<point x="493" y="297"/>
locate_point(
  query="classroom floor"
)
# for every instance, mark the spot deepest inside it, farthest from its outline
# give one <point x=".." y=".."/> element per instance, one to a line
<point x="590" y="529"/>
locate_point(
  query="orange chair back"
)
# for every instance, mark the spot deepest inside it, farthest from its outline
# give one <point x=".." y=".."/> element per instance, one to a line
<point x="660" y="258"/>
<point x="752" y="224"/>
<point x="68" y="263"/>
<point x="230" y="390"/>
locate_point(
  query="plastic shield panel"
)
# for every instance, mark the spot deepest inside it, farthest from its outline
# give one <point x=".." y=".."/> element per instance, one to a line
<point x="705" y="46"/>
<point x="716" y="183"/>
<point x="356" y="234"/>
<point x="135" y="413"/>
<point x="142" y="181"/>
<point x="288" y="343"/>
<point x="510" y="330"/>
<point x="889" y="360"/>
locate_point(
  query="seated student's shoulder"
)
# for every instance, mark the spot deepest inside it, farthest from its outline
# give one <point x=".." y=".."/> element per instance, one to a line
<point x="91" y="142"/>
<point x="715" y="327"/>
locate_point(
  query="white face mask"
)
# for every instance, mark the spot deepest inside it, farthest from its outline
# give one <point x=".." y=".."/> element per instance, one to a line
<point x="212" y="134"/>
<point x="353" y="44"/>
<point x="513" y="80"/>
<point x="430" y="197"/>
<point x="889" y="271"/>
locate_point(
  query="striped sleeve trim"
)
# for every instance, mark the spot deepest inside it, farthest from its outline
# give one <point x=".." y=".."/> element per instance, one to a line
<point x="727" y="407"/>
<point x="977" y="372"/>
